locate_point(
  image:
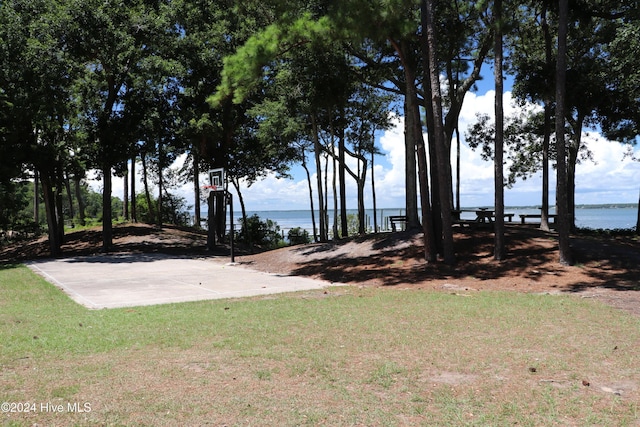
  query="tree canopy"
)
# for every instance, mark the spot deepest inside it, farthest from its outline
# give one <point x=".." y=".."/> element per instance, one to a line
<point x="256" y="86"/>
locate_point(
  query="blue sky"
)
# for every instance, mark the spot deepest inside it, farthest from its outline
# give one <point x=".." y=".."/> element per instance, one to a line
<point x="611" y="178"/>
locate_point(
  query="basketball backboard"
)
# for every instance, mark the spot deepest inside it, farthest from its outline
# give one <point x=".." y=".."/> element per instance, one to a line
<point x="216" y="179"/>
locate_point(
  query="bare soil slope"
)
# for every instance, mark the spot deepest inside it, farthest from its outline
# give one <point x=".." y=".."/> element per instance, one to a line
<point x="605" y="268"/>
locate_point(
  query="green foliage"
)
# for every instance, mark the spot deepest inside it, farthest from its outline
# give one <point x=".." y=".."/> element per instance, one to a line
<point x="243" y="70"/>
<point x="175" y="209"/>
<point x="352" y="225"/>
<point x="298" y="236"/>
<point x="621" y="120"/>
<point x="605" y="232"/>
<point x="523" y="134"/>
<point x="144" y="212"/>
<point x="93" y="207"/>
<point x="12" y="201"/>
<point x="88" y="83"/>
<point x="261" y="233"/>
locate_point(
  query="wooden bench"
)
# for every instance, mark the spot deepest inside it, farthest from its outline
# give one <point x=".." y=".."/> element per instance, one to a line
<point x="523" y="217"/>
<point x="394" y="219"/>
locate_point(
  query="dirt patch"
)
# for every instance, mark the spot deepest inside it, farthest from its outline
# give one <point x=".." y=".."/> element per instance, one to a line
<point x="606" y="268"/>
<point x="126" y="238"/>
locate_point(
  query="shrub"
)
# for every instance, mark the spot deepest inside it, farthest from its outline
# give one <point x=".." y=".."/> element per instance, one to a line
<point x="353" y="225"/>
<point x="298" y="236"/>
<point x="255" y="231"/>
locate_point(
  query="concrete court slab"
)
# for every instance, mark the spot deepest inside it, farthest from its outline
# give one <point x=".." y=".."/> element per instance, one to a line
<point x="128" y="280"/>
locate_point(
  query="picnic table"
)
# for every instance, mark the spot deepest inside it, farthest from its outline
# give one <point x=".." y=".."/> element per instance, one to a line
<point x="483" y="215"/>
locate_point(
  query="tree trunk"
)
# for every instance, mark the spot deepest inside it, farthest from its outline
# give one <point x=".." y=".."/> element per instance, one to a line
<point x="411" y="189"/>
<point x="373" y="187"/>
<point x="429" y="239"/>
<point x="221" y="215"/>
<point x="499" y="244"/>
<point x="562" y="189"/>
<point x="411" y="124"/>
<point x="334" y="187"/>
<point x="414" y="129"/>
<point x="196" y="184"/>
<point x="362" y="177"/>
<point x="134" y="217"/>
<point x="160" y="183"/>
<point x="171" y="214"/>
<point x="344" y="225"/>
<point x="313" y="213"/>
<point x="107" y="226"/>
<point x="434" y="180"/>
<point x="211" y="220"/>
<point x="544" y="214"/>
<point x="80" y="199"/>
<point x="434" y="175"/>
<point x="55" y="243"/>
<point x="638" y="218"/>
<point x="405" y="54"/>
<point x="125" y="182"/>
<point x="317" y="150"/>
<point x="67" y="186"/>
<point x="58" y="205"/>
<point x="457" y="168"/>
<point x="456" y="95"/>
<point x="36" y="199"/>
<point x="159" y="218"/>
<point x="571" y="184"/>
<point x="236" y="185"/>
<point x="147" y="194"/>
<point x="411" y="129"/>
<point x="326" y="193"/>
<point x="439" y="137"/>
<point x="544" y="219"/>
<point x="574" y="148"/>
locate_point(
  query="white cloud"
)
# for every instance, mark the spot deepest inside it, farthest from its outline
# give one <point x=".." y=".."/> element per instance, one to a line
<point x="390" y="182"/>
<point x="612" y="179"/>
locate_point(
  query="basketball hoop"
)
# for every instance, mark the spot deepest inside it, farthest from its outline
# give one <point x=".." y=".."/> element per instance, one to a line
<point x="208" y="189"/>
<point x="216" y="182"/>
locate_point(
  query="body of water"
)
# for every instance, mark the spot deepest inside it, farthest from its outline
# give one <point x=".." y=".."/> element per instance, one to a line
<point x="596" y="217"/>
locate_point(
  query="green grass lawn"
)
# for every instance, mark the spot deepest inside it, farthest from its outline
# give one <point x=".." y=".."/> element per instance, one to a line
<point x="350" y="356"/>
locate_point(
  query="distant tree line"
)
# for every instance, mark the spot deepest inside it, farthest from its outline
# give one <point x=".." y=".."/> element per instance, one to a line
<point x="24" y="213"/>
<point x="257" y="86"/>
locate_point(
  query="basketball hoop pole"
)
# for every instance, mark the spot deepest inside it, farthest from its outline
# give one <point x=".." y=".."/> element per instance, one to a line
<point x="211" y="237"/>
<point x="233" y="258"/>
<point x="216" y="186"/>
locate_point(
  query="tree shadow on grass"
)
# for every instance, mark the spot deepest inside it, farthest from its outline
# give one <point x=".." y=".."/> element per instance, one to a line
<point x="8" y="265"/>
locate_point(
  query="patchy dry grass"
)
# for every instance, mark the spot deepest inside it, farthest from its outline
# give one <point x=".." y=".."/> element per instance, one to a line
<point x="351" y="356"/>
